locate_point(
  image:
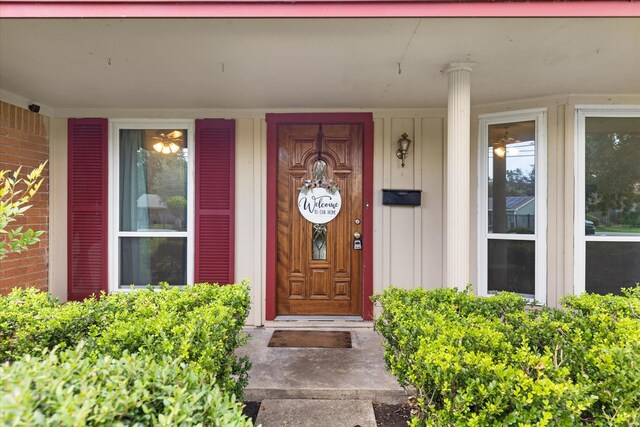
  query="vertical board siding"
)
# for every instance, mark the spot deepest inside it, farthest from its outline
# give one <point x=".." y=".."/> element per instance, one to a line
<point x="87" y="214"/>
<point x="215" y="201"/>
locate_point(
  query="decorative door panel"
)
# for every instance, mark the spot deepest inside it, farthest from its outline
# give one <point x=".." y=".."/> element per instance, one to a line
<point x="318" y="270"/>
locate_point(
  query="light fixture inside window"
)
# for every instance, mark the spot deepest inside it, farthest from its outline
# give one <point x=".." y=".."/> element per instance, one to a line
<point x="166" y="148"/>
<point x="500" y="146"/>
<point x="167" y="143"/>
<point x="499" y="150"/>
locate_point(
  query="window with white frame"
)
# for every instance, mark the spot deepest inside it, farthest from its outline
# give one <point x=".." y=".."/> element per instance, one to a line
<point x="607" y="218"/>
<point x="151" y="189"/>
<point x="512" y="204"/>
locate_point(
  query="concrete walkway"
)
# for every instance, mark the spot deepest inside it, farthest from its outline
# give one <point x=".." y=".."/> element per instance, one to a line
<point x="316" y="413"/>
<point x="319" y="387"/>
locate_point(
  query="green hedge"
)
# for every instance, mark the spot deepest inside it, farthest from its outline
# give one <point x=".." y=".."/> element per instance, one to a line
<point x="199" y="325"/>
<point x="30" y="321"/>
<point x="488" y="361"/>
<point x="150" y="357"/>
<point x="70" y="388"/>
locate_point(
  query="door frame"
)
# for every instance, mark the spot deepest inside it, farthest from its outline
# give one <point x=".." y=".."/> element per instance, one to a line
<point x="364" y="119"/>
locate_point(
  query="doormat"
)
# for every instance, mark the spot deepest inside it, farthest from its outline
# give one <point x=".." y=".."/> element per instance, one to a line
<point x="311" y="339"/>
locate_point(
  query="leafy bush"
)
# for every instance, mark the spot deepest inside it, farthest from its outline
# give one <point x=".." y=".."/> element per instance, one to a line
<point x="69" y="388"/>
<point x="488" y="361"/>
<point x="521" y="230"/>
<point x="30" y="321"/>
<point x="592" y="218"/>
<point x="15" y="193"/>
<point x="200" y="325"/>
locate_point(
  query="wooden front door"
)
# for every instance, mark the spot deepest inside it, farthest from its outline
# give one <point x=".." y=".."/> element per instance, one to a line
<point x="318" y="271"/>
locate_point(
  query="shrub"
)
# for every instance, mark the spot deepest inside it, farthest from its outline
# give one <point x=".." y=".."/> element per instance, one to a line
<point x="68" y="388"/>
<point x="30" y="321"/>
<point x="592" y="218"/>
<point x="488" y="361"/>
<point x="200" y="325"/>
<point x="15" y="193"/>
<point x="521" y="230"/>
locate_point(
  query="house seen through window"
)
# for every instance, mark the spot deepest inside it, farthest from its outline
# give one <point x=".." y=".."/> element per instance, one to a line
<point x="512" y="216"/>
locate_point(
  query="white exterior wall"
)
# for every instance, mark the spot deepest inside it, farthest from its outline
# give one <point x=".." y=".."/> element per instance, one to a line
<point x="409" y="242"/>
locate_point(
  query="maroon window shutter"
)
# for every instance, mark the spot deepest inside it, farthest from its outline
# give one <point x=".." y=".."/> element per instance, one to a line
<point x="215" y="201"/>
<point x="87" y="208"/>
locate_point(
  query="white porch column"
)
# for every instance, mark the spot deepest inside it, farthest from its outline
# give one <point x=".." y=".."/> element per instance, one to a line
<point x="458" y="182"/>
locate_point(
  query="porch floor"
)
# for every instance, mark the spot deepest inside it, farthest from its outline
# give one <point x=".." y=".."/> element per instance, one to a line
<point x="356" y="373"/>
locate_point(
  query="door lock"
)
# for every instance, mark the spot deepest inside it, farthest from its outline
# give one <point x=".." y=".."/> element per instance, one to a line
<point x="357" y="241"/>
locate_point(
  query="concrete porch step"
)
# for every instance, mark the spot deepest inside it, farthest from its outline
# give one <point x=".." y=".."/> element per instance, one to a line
<point x="370" y="395"/>
<point x="356" y="373"/>
<point x="316" y="413"/>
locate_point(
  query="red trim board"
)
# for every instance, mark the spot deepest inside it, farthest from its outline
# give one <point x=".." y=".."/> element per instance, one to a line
<point x="315" y="9"/>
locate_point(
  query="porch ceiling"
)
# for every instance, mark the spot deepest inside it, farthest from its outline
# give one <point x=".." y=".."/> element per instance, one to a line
<point x="311" y="63"/>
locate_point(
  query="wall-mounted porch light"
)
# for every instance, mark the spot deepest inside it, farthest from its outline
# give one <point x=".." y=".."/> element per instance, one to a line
<point x="403" y="143"/>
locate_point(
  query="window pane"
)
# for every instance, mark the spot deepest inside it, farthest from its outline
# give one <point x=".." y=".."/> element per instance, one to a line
<point x="150" y="260"/>
<point x="612" y="176"/>
<point x="319" y="242"/>
<point x="153" y="180"/>
<point x="611" y="266"/>
<point x="512" y="157"/>
<point x="512" y="266"/>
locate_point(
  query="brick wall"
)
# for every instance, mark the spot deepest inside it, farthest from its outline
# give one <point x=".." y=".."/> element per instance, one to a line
<point x="24" y="140"/>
